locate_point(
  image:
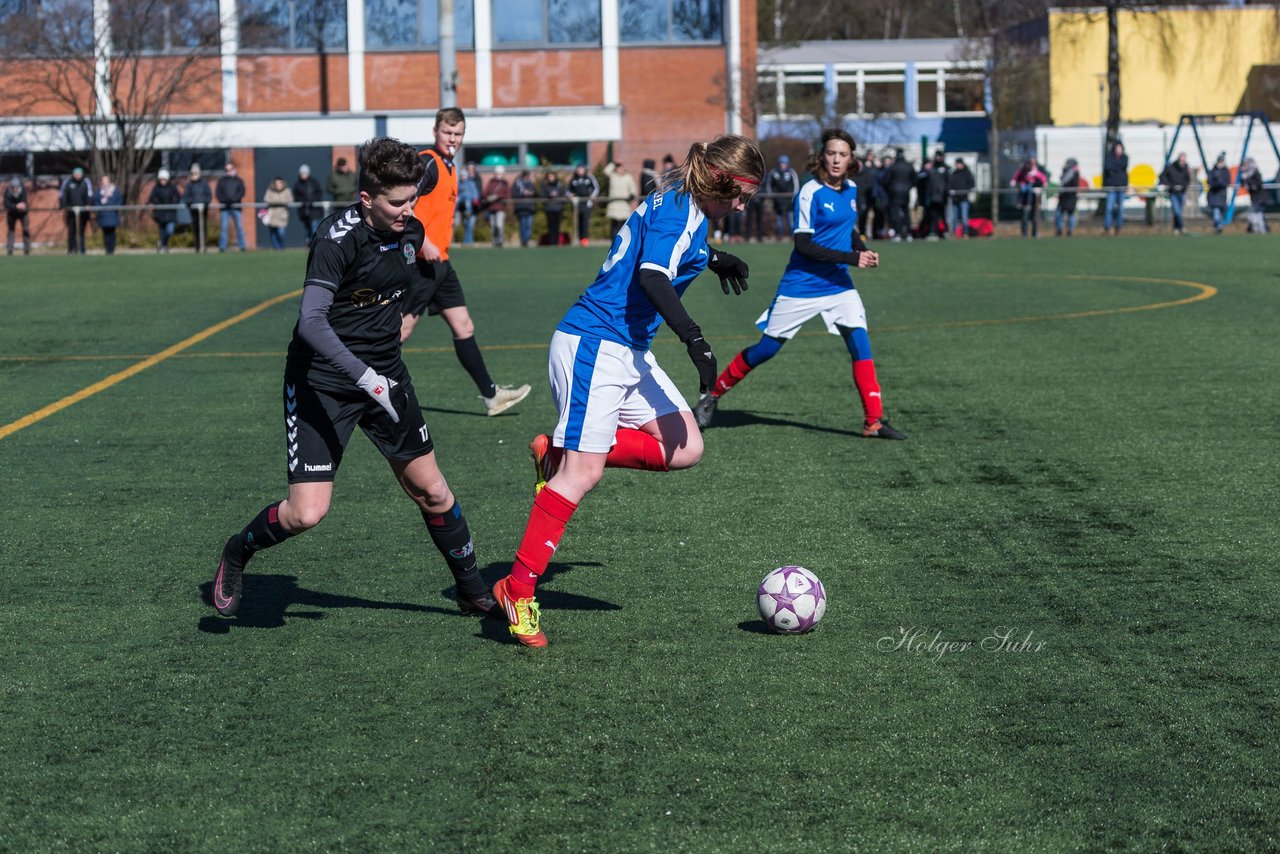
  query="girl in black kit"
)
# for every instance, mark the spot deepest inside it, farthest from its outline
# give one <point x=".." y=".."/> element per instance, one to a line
<point x="344" y="369"/>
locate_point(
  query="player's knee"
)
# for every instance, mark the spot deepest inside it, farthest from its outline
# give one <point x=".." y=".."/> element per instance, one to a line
<point x="303" y="517"/>
<point x="687" y="452"/>
<point x="463" y="327"/>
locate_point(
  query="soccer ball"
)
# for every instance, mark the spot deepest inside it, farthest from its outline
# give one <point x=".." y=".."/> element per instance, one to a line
<point x="792" y="600"/>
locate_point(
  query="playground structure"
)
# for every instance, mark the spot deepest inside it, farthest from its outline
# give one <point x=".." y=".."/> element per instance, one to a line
<point x="1195" y="120"/>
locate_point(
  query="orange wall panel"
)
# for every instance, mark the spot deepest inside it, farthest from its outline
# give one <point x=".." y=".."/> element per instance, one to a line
<point x="27" y="83"/>
<point x="662" y="115"/>
<point x="411" y="81"/>
<point x="289" y="83"/>
<point x="547" y="78"/>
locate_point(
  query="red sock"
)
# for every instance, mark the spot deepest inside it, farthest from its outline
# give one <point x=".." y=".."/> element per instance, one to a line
<point x="551" y="512"/>
<point x="636" y="449"/>
<point x="731" y="376"/>
<point x="864" y="377"/>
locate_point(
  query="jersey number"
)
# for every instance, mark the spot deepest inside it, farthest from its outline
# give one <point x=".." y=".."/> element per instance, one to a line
<point x="624" y="241"/>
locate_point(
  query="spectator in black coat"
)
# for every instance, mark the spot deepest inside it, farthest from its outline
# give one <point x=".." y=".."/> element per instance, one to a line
<point x="781" y="185"/>
<point x="74" y="199"/>
<point x="1068" y="195"/>
<point x="230" y="192"/>
<point x="1175" y="178"/>
<point x="584" y="188"/>
<point x="524" y="194"/>
<point x="1219" y="183"/>
<point x="864" y="179"/>
<point x="960" y="183"/>
<point x="902" y="177"/>
<point x="163" y="195"/>
<point x="16" y="213"/>
<point x="308" y="193"/>
<point x="649" y="178"/>
<point x="198" y="198"/>
<point x="935" y="211"/>
<point x="554" y="192"/>
<point x="1115" y="177"/>
<point x="1251" y="180"/>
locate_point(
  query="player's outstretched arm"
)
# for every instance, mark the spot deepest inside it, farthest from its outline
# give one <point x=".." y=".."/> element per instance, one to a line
<point x="662" y="294"/>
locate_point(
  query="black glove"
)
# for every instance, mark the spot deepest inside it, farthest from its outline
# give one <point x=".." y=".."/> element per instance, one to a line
<point x="732" y="270"/>
<point x="704" y="360"/>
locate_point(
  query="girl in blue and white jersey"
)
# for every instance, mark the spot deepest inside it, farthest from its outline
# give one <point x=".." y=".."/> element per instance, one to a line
<point x="617" y="406"/>
<point x="817" y="282"/>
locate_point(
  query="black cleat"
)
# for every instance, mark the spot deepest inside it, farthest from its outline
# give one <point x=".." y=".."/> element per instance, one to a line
<point x="880" y="429"/>
<point x="229" y="580"/>
<point x="705" y="410"/>
<point x="483" y="605"/>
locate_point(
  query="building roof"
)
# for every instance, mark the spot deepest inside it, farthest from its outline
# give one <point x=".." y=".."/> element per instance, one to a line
<point x="872" y="50"/>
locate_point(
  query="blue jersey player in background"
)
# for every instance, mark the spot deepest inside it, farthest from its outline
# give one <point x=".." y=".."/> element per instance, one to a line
<point x="617" y="406"/>
<point x="817" y="282"/>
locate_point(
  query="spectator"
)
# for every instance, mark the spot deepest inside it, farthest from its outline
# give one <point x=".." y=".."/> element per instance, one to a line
<point x="755" y="218"/>
<point x="880" y="201"/>
<point x="16" y="213"/>
<point x="496" y="192"/>
<point x="1219" y="182"/>
<point x="198" y="197"/>
<point x="1115" y="177"/>
<point x="584" y="188"/>
<point x="524" y="192"/>
<point x="308" y="194"/>
<point x="902" y="177"/>
<point x="1251" y="179"/>
<point x="1175" y="178"/>
<point x="668" y="163"/>
<point x="1030" y="181"/>
<point x="623" y="192"/>
<point x="468" y="204"/>
<point x="74" y="199"/>
<point x="107" y="203"/>
<point x="781" y="185"/>
<point x="960" y="184"/>
<point x="1068" y="195"/>
<point x="554" y="192"/>
<point x="163" y="200"/>
<point x="864" y="179"/>
<point x="230" y="192"/>
<point x="935" y="212"/>
<point x="342" y="182"/>
<point x="649" y="178"/>
<point x="278" y="198"/>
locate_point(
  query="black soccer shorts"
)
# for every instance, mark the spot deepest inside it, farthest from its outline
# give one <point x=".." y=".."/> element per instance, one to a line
<point x="437" y="290"/>
<point x="319" y="423"/>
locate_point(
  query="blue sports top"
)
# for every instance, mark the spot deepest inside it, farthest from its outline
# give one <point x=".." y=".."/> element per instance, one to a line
<point x="830" y="216"/>
<point x="666" y="233"/>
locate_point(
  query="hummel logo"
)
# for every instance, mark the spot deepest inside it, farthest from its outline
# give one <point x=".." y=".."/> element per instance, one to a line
<point x="387" y="247"/>
<point x="831" y="206"/>
<point x="349" y="221"/>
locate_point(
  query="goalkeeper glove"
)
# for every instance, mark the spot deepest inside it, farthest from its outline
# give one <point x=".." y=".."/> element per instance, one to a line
<point x="379" y="388"/>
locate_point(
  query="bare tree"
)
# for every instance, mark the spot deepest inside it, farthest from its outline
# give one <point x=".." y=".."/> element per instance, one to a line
<point x="119" y="78"/>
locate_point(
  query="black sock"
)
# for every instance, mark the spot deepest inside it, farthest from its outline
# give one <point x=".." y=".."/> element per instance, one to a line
<point x="452" y="537"/>
<point x="469" y="355"/>
<point x="263" y="532"/>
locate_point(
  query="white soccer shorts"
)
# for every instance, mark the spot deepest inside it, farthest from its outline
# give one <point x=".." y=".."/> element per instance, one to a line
<point x="786" y="315"/>
<point x="600" y="386"/>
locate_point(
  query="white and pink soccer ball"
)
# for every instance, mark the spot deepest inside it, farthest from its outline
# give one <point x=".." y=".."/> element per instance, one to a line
<point x="792" y="600"/>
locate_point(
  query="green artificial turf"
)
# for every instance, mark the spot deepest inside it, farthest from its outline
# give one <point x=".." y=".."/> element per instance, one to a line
<point x="1096" y="483"/>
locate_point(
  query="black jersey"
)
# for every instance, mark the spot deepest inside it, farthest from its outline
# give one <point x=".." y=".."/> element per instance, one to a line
<point x="368" y="272"/>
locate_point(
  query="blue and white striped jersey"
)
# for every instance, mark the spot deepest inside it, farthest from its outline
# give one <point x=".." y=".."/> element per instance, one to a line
<point x="830" y="215"/>
<point x="666" y="233"/>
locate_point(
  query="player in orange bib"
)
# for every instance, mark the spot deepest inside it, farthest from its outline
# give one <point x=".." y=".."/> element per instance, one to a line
<point x="437" y="197"/>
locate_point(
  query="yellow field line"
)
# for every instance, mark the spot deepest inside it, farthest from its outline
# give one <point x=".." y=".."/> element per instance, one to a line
<point x="150" y="361"/>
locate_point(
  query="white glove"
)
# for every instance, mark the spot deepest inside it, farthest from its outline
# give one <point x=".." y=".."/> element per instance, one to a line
<point x="379" y="388"/>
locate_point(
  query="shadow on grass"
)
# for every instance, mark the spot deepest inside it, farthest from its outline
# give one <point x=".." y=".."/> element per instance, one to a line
<point x="478" y="412"/>
<point x="737" y="418"/>
<point x="267" y="600"/>
<point x="755" y="627"/>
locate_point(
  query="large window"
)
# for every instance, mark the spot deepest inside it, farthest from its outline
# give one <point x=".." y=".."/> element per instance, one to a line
<point x="293" y="24"/>
<point x="663" y="21"/>
<point x="52" y="28"/>
<point x="415" y="23"/>
<point x="165" y="26"/>
<point x="544" y="22"/>
<point x="963" y="94"/>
